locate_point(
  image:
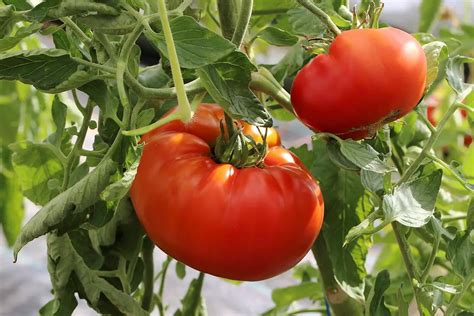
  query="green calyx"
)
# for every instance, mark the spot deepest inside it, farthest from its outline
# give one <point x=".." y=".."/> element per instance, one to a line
<point x="237" y="149"/>
<point x="367" y="17"/>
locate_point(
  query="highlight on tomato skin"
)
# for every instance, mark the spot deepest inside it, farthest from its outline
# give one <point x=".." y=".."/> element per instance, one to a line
<point x="369" y="77"/>
<point x="244" y="224"/>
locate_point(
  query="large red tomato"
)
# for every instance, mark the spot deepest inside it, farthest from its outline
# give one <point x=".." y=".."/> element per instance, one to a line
<point x="369" y="77"/>
<point x="243" y="224"/>
<point x="206" y="125"/>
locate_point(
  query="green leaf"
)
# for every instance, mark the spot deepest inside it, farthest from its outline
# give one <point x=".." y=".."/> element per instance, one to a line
<point x="372" y="181"/>
<point x="60" y="306"/>
<point x="290" y="64"/>
<point x="375" y="305"/>
<point x="54" y="9"/>
<point x="346" y="204"/>
<point x="429" y="10"/>
<point x="154" y="77"/>
<point x="50" y="70"/>
<point x="436" y="55"/>
<point x="63" y="40"/>
<point x="280" y="113"/>
<point x="305" y="23"/>
<point x="20" y="5"/>
<point x="227" y="81"/>
<point x="460" y="252"/>
<point x="412" y="203"/>
<point x="68" y="205"/>
<point x="196" y="45"/>
<point x="39" y="12"/>
<point x="7" y="20"/>
<point x="35" y="165"/>
<point x="193" y="302"/>
<point x="11" y="208"/>
<point x="59" y="112"/>
<point x="278" y="37"/>
<point x="9" y="113"/>
<point x="109" y="24"/>
<point x="120" y="188"/>
<point x="180" y="269"/>
<point x="9" y="42"/>
<point x="64" y="261"/>
<point x="286" y="296"/>
<point x="364" y="228"/>
<point x="364" y="156"/>
<point x="455" y="73"/>
<point x="336" y="156"/>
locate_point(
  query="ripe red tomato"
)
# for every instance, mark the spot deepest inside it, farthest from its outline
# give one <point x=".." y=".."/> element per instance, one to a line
<point x="206" y="125"/>
<point x="467" y="140"/>
<point x="243" y="224"/>
<point x="369" y="77"/>
<point x="432" y="102"/>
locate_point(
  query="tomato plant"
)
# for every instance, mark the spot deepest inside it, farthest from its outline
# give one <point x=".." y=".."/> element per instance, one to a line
<point x="122" y="151"/>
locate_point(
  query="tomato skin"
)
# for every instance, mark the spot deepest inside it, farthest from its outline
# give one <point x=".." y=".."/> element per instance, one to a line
<point x="206" y="125"/>
<point x="243" y="224"/>
<point x="369" y="77"/>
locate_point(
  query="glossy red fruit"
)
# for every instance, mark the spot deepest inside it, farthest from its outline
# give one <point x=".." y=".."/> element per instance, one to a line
<point x="368" y="78"/>
<point x="243" y="224"/>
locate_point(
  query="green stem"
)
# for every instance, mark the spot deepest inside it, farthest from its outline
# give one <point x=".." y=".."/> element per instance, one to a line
<point x="446" y="219"/>
<point x="77" y="30"/>
<point x="341" y="303"/>
<point x="122" y="273"/>
<point x="104" y="41"/>
<point x="326" y="19"/>
<point x="445" y="166"/>
<point x="94" y="65"/>
<point x="243" y="22"/>
<point x="211" y="15"/>
<point x="264" y="81"/>
<point x="77" y="102"/>
<point x="148" y="282"/>
<point x="429" y="144"/>
<point x="123" y="62"/>
<point x="161" y="290"/>
<point x="431" y="260"/>
<point x="465" y="286"/>
<point x="408" y="260"/>
<point x="89" y="153"/>
<point x="194" y="86"/>
<point x="145" y="129"/>
<point x="71" y="158"/>
<point x="427" y="122"/>
<point x="183" y="103"/>
<point x="228" y="16"/>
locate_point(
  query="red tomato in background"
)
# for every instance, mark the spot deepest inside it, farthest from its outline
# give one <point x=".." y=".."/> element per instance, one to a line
<point x="432" y="102"/>
<point x="206" y="125"/>
<point x="243" y="224"/>
<point x="273" y="137"/>
<point x="369" y="77"/>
